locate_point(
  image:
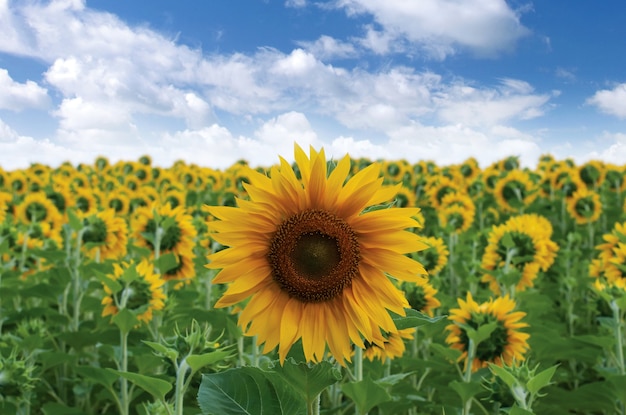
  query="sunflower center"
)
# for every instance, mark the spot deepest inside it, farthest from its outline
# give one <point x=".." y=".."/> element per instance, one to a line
<point x="314" y="255"/>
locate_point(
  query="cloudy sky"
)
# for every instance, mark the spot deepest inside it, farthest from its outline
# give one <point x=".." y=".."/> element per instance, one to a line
<point x="211" y="82"/>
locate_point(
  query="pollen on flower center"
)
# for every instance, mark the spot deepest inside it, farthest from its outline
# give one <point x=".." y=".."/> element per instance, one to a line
<point x="314" y="255"/>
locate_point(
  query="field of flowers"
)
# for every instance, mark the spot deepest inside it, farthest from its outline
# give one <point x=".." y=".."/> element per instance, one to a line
<point x="322" y="286"/>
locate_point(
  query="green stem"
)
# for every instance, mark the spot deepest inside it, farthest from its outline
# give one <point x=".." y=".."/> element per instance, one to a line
<point x="358" y="371"/>
<point x="313" y="407"/>
<point x="467" y="376"/>
<point x="180" y="387"/>
<point x="619" y="341"/>
<point x="124" y="402"/>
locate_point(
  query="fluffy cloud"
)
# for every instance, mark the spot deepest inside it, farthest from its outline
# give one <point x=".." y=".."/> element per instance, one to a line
<point x="611" y="101"/>
<point x="439" y="27"/>
<point x="18" y="96"/>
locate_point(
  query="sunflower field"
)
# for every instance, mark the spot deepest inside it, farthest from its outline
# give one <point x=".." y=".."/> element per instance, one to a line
<point x="321" y="286"/>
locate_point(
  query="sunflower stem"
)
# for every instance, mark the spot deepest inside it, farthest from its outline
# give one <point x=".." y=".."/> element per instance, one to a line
<point x="467" y="375"/>
<point x="619" y="341"/>
<point x="358" y="372"/>
<point x="124" y="402"/>
<point x="180" y="386"/>
<point x="313" y="407"/>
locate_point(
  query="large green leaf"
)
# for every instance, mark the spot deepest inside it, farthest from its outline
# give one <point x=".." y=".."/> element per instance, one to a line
<point x="365" y="394"/>
<point x="154" y="386"/>
<point x="308" y="380"/>
<point x="248" y="391"/>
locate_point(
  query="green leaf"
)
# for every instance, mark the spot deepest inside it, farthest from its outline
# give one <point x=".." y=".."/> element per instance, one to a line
<point x="503" y="374"/>
<point x="484" y="332"/>
<point x="540" y="380"/>
<point x="97" y="375"/>
<point x="308" y="380"/>
<point x="59" y="409"/>
<point x="507" y="241"/>
<point x="197" y="361"/>
<point x="168" y="352"/>
<point x="109" y="282"/>
<point x="516" y="410"/>
<point x="75" y="222"/>
<point x="154" y="386"/>
<point x="166" y="262"/>
<point x="248" y="391"/>
<point x="365" y="394"/>
<point x="125" y="320"/>
<point x="466" y="390"/>
<point x="414" y="318"/>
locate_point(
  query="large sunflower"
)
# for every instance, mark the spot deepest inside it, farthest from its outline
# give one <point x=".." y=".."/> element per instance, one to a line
<point x="506" y="344"/>
<point x="313" y="260"/>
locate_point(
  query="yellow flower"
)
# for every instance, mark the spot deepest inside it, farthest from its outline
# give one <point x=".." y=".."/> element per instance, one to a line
<point x="177" y="233"/>
<point x="584" y="206"/>
<point x="435" y="257"/>
<point x="530" y="235"/>
<point x="592" y="173"/>
<point x="36" y="207"/>
<point x="506" y="344"/>
<point x="388" y="345"/>
<point x="142" y="295"/>
<point x="421" y="296"/>
<point x="312" y="261"/>
<point x="514" y="191"/>
<point x="109" y="231"/>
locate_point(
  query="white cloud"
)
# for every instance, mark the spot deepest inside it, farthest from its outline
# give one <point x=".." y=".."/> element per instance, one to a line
<point x="18" y="96"/>
<point x="327" y="47"/>
<point x="611" y="101"/>
<point x="441" y="26"/>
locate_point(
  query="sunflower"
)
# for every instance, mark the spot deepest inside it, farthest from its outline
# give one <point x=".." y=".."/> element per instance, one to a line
<point x="506" y="344"/>
<point x="514" y="191"/>
<point x="456" y="218"/>
<point x="584" y="206"/>
<point x="435" y="256"/>
<point x="85" y="201"/>
<point x="490" y="177"/>
<point x="184" y="270"/>
<point x="4" y="180"/>
<point x="404" y="198"/>
<point x="177" y="233"/>
<point x="469" y="169"/>
<point x="174" y="197"/>
<point x="394" y="171"/>
<point x="119" y="201"/>
<point x="592" y="173"/>
<point x="524" y="241"/>
<point x="438" y="187"/>
<point x="611" y="256"/>
<point x="109" y="232"/>
<point x="615" y="178"/>
<point x="142" y="291"/>
<point x="36" y="207"/>
<point x="388" y="346"/>
<point x="421" y="296"/>
<point x="6" y="200"/>
<point x="18" y="182"/>
<point x="314" y="263"/>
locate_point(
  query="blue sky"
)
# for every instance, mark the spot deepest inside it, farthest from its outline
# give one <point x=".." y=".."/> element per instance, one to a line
<point x="217" y="81"/>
